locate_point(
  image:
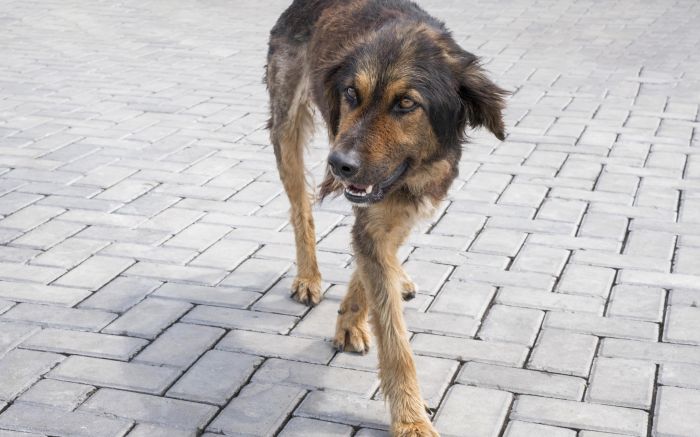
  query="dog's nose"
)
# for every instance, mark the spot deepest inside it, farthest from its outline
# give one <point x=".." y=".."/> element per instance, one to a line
<point x="344" y="164"/>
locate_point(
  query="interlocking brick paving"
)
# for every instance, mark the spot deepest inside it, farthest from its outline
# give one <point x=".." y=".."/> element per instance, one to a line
<point x="146" y="254"/>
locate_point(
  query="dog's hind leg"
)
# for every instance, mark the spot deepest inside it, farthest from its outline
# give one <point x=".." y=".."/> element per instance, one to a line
<point x="291" y="125"/>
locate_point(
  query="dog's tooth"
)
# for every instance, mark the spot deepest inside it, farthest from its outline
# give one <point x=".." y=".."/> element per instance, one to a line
<point x="368" y="189"/>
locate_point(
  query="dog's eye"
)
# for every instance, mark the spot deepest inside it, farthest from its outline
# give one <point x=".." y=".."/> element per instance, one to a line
<point x="405" y="105"/>
<point x="351" y="94"/>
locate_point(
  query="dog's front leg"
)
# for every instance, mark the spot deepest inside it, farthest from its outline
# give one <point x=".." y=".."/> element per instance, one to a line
<point x="376" y="238"/>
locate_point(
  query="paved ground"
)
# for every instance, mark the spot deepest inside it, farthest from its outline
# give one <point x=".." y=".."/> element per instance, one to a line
<point x="146" y="253"/>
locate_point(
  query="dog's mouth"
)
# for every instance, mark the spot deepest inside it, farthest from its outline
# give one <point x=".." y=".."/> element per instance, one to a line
<point x="365" y="194"/>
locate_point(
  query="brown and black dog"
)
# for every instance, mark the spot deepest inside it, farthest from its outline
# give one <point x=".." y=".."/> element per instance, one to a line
<point x="396" y="93"/>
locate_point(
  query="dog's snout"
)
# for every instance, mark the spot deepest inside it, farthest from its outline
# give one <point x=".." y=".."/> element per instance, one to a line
<point x="344" y="164"/>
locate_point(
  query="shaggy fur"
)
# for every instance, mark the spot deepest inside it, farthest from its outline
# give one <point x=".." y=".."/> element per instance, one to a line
<point x="396" y="93"/>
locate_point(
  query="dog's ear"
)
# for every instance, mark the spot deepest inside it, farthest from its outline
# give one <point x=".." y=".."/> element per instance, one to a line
<point x="331" y="95"/>
<point x="483" y="101"/>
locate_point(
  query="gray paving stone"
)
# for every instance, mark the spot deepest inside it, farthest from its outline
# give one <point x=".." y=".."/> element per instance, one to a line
<point x="564" y="210"/>
<point x="527" y="429"/>
<point x="29" y="273"/>
<point x="115" y="374"/>
<point x="511" y="325"/>
<point x="367" y="432"/>
<point x="467" y="350"/>
<point x="169" y="272"/>
<point x="149" y="409"/>
<point x="313" y="377"/>
<point x="172" y="220"/>
<point x="499" y="242"/>
<point x="57" y="394"/>
<point x="634" y="302"/>
<point x="235" y="318"/>
<point x="69" y="253"/>
<point x="649" y="351"/>
<point x="680" y="375"/>
<point x="503" y="278"/>
<point x="120" y="294"/>
<point x="143" y="252"/>
<point x="180" y="345"/>
<point x="579" y="242"/>
<point x="596" y="434"/>
<point x="586" y="280"/>
<point x="462" y="298"/>
<point x="148" y="319"/>
<point x="541" y="259"/>
<point x="599" y="225"/>
<point x="198" y="236"/>
<point x="563" y="352"/>
<point x="215" y="377"/>
<point x="674" y="413"/>
<point x="4" y="433"/>
<point x="663" y="280"/>
<point x="30" y="217"/>
<point x="21" y="368"/>
<point x="582" y="415"/>
<point x="650" y="243"/>
<point x="225" y="254"/>
<point x="50" y="316"/>
<point x="256" y="274"/>
<point x="146" y="430"/>
<point x="342" y="408"/>
<point x="277" y="346"/>
<point x="258" y="410"/>
<point x="626" y="383"/>
<point x="684" y="298"/>
<point x="302" y="427"/>
<point x="523" y="297"/>
<point x="12" y="334"/>
<point x="220" y="296"/>
<point x="602" y="326"/>
<point x="478" y="411"/>
<point x="440" y="323"/>
<point x="456" y="257"/>
<point x="85" y="343"/>
<point x="522" y="381"/>
<point x="682" y="325"/>
<point x="35" y="419"/>
<point x="48" y="234"/>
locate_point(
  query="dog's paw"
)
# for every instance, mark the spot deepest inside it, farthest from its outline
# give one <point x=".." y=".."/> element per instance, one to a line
<point x="414" y="429"/>
<point x="351" y="334"/>
<point x="408" y="289"/>
<point x="307" y="291"/>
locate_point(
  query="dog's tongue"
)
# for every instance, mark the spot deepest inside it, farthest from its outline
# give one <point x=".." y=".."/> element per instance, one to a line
<point x="357" y="188"/>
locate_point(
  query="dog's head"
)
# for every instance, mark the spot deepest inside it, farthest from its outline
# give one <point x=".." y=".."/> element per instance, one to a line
<point x="397" y="105"/>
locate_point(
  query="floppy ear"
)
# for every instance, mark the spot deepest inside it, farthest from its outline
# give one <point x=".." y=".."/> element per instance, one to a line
<point x="331" y="99"/>
<point x="482" y="100"/>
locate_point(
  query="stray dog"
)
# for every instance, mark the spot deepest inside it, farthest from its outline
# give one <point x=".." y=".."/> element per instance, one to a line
<point x="396" y="93"/>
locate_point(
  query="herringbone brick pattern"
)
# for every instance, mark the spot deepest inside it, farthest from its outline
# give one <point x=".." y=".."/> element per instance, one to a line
<point x="146" y="254"/>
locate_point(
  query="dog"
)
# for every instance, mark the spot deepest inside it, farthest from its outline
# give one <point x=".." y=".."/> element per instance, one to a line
<point x="396" y="93"/>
